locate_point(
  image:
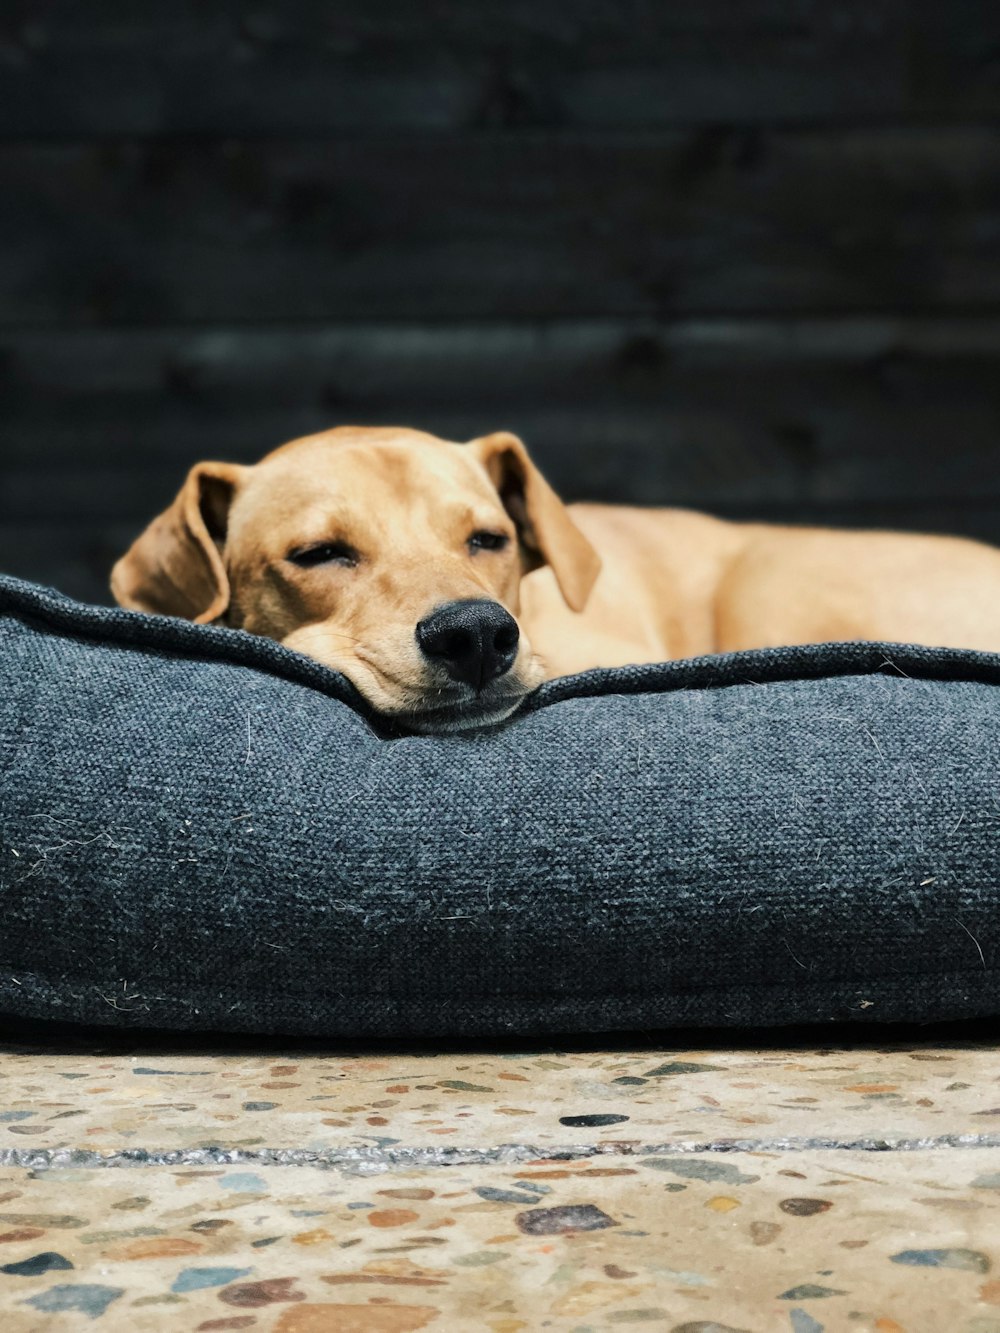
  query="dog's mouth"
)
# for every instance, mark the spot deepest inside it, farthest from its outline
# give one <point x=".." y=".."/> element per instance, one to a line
<point x="436" y="705"/>
<point x="460" y="714"/>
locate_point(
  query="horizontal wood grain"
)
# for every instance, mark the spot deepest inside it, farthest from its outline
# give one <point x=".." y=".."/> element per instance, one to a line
<point x="311" y="67"/>
<point x="712" y="221"/>
<point x="706" y="413"/>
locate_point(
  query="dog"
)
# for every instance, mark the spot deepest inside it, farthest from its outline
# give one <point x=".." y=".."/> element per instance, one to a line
<point x="446" y="581"/>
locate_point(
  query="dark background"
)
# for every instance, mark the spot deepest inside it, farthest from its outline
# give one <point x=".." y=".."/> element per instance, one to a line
<point x="734" y="254"/>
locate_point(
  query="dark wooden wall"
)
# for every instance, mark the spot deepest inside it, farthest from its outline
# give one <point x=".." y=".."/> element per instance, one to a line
<point x="736" y="254"/>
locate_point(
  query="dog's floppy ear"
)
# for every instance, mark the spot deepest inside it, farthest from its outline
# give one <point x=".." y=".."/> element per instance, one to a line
<point x="174" y="568"/>
<point x="546" y="530"/>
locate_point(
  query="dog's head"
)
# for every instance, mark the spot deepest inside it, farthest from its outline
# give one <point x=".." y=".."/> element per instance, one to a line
<point x="390" y="555"/>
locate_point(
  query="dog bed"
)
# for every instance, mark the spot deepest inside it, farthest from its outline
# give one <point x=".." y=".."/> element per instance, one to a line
<point x="202" y="830"/>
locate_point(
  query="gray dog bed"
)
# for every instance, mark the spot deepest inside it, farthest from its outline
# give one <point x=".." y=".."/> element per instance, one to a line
<point x="202" y="830"/>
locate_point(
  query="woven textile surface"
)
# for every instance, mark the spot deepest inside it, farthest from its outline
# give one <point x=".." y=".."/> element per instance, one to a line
<point x="202" y="830"/>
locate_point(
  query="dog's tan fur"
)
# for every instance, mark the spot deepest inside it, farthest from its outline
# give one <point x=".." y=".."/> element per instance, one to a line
<point x="590" y="585"/>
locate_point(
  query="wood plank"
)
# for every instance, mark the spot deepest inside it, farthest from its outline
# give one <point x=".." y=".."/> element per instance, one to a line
<point x="951" y="62"/>
<point x="702" y="413"/>
<point x="688" y="453"/>
<point x="313" y="68"/>
<point x="74" y="557"/>
<point x="385" y="362"/>
<point x="685" y="223"/>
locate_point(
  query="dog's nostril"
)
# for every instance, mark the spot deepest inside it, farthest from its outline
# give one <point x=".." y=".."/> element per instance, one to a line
<point x="506" y="638"/>
<point x="453" y="643"/>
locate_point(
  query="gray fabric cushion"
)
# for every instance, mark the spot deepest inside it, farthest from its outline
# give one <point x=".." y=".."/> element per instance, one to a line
<point x="202" y="830"/>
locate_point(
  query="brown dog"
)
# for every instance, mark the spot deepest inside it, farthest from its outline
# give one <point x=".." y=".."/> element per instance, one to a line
<point x="446" y="581"/>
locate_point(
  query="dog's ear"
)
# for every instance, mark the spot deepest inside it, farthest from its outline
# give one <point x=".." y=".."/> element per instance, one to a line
<point x="548" y="534"/>
<point x="175" y="567"/>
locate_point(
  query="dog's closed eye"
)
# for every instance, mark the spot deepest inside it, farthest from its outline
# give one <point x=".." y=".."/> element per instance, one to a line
<point x="484" y="540"/>
<point x="324" y="553"/>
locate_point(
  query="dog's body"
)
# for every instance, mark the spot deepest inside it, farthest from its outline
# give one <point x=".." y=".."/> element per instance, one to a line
<point x="446" y="580"/>
<point x="679" y="584"/>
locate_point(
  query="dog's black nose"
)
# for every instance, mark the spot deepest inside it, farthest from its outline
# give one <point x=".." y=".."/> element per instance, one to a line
<point x="475" y="641"/>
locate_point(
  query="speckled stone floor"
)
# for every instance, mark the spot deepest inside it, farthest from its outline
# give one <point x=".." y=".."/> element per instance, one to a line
<point x="694" y="1191"/>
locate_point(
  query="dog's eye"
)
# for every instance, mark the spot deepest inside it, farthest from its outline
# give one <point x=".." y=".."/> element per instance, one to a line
<point x="488" y="541"/>
<point x="324" y="553"/>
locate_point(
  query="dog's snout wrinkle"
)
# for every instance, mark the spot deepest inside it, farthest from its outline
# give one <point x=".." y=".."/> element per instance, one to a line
<point x="475" y="640"/>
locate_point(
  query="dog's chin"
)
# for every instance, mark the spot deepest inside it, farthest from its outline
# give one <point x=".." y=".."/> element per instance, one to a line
<point x="463" y="715"/>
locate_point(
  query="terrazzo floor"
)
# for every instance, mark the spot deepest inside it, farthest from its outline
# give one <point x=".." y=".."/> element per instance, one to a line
<point x="693" y="1191"/>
